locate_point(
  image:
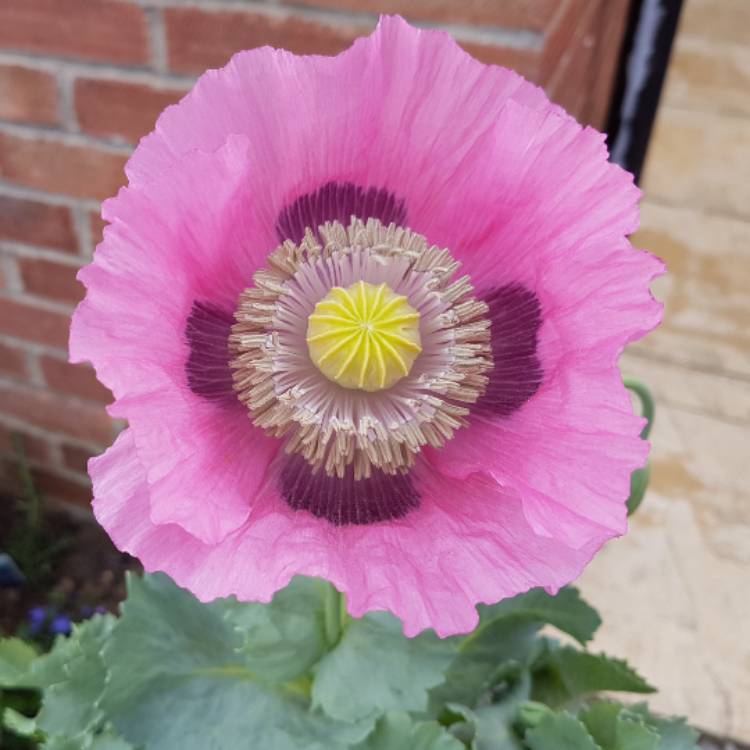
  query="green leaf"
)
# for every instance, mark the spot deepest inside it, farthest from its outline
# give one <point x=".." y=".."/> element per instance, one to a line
<point x="560" y="732"/>
<point x="492" y="726"/>
<point x="398" y="731"/>
<point x="568" y="673"/>
<point x="566" y="611"/>
<point x="58" y="742"/>
<point x="16" y="656"/>
<point x="375" y="668"/>
<point x="531" y="713"/>
<point x="633" y="734"/>
<point x="485" y="661"/>
<point x="15" y="722"/>
<point x="506" y="635"/>
<point x="109" y="741"/>
<point x="74" y="677"/>
<point x="674" y="732"/>
<point x="284" y="638"/>
<point x="49" y="668"/>
<point x="179" y="679"/>
<point x="615" y="728"/>
<point x="639" y="481"/>
<point x="106" y="740"/>
<point x="600" y="719"/>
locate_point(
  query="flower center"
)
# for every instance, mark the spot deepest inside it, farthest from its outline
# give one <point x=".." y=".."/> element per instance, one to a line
<point x="332" y="323"/>
<point x="365" y="336"/>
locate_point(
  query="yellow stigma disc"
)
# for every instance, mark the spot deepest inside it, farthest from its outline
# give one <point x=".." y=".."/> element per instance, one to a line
<point x="364" y="337"/>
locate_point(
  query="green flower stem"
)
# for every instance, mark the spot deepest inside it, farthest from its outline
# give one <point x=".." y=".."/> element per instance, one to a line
<point x="647" y="403"/>
<point x="344" y="616"/>
<point x="336" y="616"/>
<point x="640" y="478"/>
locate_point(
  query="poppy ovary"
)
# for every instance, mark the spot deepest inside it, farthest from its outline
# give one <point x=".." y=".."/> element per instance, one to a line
<point x="365" y="336"/>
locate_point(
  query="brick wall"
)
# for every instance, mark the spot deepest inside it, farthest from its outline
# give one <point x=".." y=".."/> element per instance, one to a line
<point x="82" y="80"/>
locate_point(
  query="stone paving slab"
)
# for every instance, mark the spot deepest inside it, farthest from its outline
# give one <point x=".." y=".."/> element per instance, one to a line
<point x="701" y="159"/>
<point x="707" y="320"/>
<point x="704" y="73"/>
<point x="675" y="592"/>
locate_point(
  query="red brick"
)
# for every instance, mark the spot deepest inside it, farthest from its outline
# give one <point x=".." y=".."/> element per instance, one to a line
<point x="33" y="324"/>
<point x="54" y="486"/>
<point x="48" y="483"/>
<point x="37" y="223"/>
<point x="103" y="30"/>
<point x="34" y="448"/>
<point x="56" y="281"/>
<point x="509" y="14"/>
<point x="200" y="39"/>
<point x="122" y="110"/>
<point x="80" y="171"/>
<point x="76" y="458"/>
<point x="10" y="481"/>
<point x="12" y="362"/>
<point x="27" y="95"/>
<point x="55" y="413"/>
<point x="97" y="228"/>
<point x="76" y="380"/>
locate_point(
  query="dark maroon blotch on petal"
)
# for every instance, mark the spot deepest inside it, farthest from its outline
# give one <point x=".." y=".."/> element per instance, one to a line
<point x="381" y="497"/>
<point x="515" y="317"/>
<point x="338" y="201"/>
<point x="208" y="372"/>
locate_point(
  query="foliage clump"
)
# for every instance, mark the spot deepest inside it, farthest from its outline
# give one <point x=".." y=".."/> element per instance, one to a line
<point x="298" y="674"/>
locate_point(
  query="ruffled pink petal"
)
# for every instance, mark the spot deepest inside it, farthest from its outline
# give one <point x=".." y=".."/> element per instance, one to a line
<point x="570" y="450"/>
<point x="403" y="109"/>
<point x="469" y="542"/>
<point x="189" y="235"/>
<point x="541" y="185"/>
<point x="553" y="221"/>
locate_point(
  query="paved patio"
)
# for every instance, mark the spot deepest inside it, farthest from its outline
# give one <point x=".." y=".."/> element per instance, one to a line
<point x="675" y="593"/>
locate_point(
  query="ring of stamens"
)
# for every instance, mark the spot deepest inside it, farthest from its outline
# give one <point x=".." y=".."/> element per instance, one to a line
<point x="335" y="425"/>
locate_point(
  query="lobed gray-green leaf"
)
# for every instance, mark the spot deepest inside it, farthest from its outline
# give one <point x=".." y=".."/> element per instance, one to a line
<point x="16" y="657"/>
<point x="284" y="638"/>
<point x="398" y="731"/>
<point x="566" y="611"/>
<point x="674" y="732"/>
<point x="568" y="673"/>
<point x="374" y="668"/>
<point x="506" y="635"/>
<point x="73" y="676"/>
<point x="560" y="732"/>
<point x="179" y="679"/>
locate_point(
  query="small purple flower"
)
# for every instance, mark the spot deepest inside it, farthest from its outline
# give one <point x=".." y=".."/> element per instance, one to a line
<point x="60" y="625"/>
<point x="87" y="611"/>
<point x="37" y="617"/>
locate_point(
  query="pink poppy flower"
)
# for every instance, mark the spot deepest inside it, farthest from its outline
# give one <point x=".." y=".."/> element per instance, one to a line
<point x="312" y="385"/>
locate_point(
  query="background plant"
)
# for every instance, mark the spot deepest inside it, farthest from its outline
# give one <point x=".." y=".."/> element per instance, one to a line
<point x="172" y="673"/>
<point x="31" y="544"/>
